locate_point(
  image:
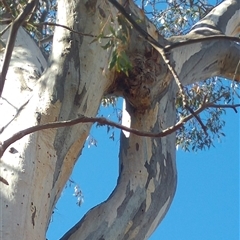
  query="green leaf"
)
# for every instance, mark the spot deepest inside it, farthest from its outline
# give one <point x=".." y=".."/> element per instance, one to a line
<point x="107" y="45"/>
<point x="112" y="30"/>
<point x="101" y="35"/>
<point x="113" y="60"/>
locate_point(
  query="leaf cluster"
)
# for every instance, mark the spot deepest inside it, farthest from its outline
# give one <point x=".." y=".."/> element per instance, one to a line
<point x="174" y="17"/>
<point x="118" y="40"/>
<point x="44" y="12"/>
<point x="171" y="17"/>
<point x="192" y="136"/>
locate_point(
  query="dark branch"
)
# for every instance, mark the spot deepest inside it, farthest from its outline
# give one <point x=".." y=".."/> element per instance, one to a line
<point x="7" y="7"/>
<point x="104" y="121"/>
<point x="143" y="33"/>
<point x="234" y="107"/>
<point x="66" y="27"/>
<point x="200" y="39"/>
<point x="164" y="50"/>
<point x="8" y="21"/>
<point x="3" y="180"/>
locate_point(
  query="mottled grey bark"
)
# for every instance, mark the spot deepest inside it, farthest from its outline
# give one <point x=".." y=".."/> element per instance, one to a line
<point x="147" y="171"/>
<point x="75" y="80"/>
<point x="42" y="163"/>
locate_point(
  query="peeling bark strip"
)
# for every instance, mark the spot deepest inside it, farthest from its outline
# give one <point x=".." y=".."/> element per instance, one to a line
<point x="33" y="210"/>
<point x="75" y="79"/>
<point x="4" y="180"/>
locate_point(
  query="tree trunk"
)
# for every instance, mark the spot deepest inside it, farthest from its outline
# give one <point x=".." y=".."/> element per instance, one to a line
<point x="41" y="163"/>
<point x="74" y="82"/>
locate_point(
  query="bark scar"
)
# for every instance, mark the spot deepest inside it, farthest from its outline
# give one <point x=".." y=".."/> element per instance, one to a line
<point x="34" y="210"/>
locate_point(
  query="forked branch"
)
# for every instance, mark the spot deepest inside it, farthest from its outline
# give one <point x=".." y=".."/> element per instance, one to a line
<point x="165" y="52"/>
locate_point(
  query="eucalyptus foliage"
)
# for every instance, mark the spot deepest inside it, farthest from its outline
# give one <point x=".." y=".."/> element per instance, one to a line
<point x="176" y="17"/>
<point x="172" y="17"/>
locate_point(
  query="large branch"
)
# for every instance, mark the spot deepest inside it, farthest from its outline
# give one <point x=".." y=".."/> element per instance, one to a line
<point x="200" y="38"/>
<point x="224" y="18"/>
<point x="103" y="121"/>
<point x="215" y="55"/>
<point x="147" y="180"/>
<point x="43" y="162"/>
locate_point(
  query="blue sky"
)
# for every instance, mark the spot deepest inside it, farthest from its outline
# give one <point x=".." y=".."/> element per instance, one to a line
<point x="206" y="204"/>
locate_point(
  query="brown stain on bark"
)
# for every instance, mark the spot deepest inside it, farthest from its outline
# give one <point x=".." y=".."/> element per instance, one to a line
<point x="144" y="82"/>
<point x="91" y="6"/>
<point x="137" y="146"/>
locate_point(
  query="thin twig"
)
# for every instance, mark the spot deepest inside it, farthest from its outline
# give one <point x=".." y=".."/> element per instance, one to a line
<point x="11" y="41"/>
<point x="104" y="121"/>
<point x="7" y="7"/>
<point x="199" y="39"/>
<point x="162" y="50"/>
<point x="31" y="15"/>
<point x="15" y="116"/>
<point x="5" y="29"/>
<point x="148" y="37"/>
<point x="234" y="107"/>
<point x="236" y="70"/>
<point x="68" y="28"/>
<point x="3" y="180"/>
<point x="184" y="97"/>
<point x="8" y="21"/>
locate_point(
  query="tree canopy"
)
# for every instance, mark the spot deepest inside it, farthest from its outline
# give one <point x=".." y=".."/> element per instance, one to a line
<point x="173" y="83"/>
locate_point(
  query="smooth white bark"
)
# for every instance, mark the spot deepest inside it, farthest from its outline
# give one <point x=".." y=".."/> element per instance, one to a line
<point x="223" y="18"/>
<point x="76" y="78"/>
<point x="42" y="162"/>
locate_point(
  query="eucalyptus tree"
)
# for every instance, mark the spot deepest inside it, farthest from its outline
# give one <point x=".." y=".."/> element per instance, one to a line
<point x="58" y="73"/>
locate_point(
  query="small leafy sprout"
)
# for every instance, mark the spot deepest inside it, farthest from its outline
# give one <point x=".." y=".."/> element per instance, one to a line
<point x="118" y="42"/>
<point x="91" y="141"/>
<point x="79" y="195"/>
<point x="120" y="61"/>
<point x="109" y="101"/>
<point x="191" y="136"/>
